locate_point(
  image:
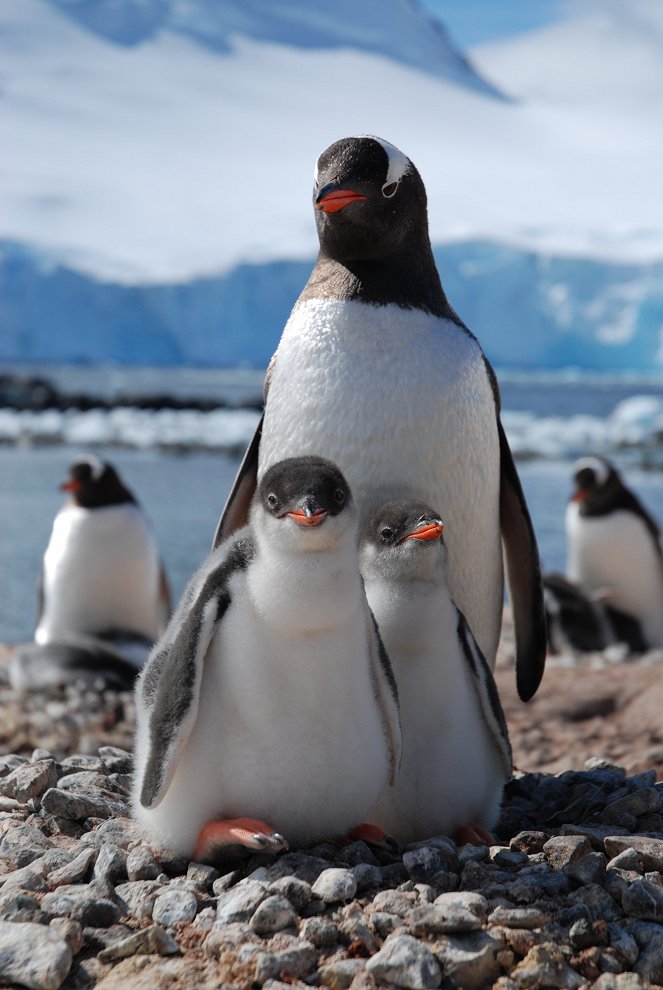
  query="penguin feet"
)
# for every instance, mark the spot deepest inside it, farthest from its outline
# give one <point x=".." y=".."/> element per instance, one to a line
<point x="473" y="834"/>
<point x="373" y="835"/>
<point x="248" y="832"/>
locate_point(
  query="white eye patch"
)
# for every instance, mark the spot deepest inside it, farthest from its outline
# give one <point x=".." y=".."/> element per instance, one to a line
<point x="599" y="467"/>
<point x="96" y="466"/>
<point x="398" y="165"/>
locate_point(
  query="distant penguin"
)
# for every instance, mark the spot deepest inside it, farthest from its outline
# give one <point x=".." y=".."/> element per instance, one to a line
<point x="102" y="574"/>
<point x="267" y="715"/>
<point x="376" y="371"/>
<point x="456" y="756"/>
<point x="614" y="545"/>
<point x="584" y="622"/>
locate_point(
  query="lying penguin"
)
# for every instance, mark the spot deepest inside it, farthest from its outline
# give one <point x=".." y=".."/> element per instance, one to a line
<point x="103" y="596"/>
<point x="456" y="754"/>
<point x="615" y="547"/>
<point x="267" y="715"/>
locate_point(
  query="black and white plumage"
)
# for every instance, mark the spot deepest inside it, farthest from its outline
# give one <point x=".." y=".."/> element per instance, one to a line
<point x="102" y="573"/>
<point x="614" y="546"/>
<point x="456" y="756"/>
<point x="376" y="371"/>
<point x="583" y="621"/>
<point x="269" y="695"/>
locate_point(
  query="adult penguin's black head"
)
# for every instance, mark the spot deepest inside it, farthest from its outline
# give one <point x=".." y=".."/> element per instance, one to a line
<point x="369" y="200"/>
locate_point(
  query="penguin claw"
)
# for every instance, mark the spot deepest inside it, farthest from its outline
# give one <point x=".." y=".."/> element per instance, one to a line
<point x="373" y="835"/>
<point x="473" y="834"/>
<point x="248" y="832"/>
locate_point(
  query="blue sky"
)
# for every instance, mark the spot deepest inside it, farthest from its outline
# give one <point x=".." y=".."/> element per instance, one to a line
<point x="474" y="21"/>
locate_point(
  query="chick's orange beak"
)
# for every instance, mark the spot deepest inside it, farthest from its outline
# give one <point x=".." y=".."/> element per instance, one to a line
<point x="308" y="519"/>
<point x="427" y="531"/>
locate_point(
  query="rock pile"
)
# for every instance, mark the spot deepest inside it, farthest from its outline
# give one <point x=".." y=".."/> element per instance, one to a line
<point x="571" y="896"/>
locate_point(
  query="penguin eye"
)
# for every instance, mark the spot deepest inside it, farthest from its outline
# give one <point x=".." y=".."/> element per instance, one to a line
<point x="387" y="534"/>
<point x="389" y="189"/>
<point x="339" y="496"/>
<point x="272" y="500"/>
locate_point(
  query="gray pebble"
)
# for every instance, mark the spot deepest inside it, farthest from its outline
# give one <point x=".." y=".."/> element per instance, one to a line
<point x="34" y="956"/>
<point x="297" y="891"/>
<point x="174" y="906"/>
<point x="334" y="885"/>
<point x="321" y="932"/>
<point x="148" y="941"/>
<point x="141" y="864"/>
<point x="649" y="850"/>
<point x="406" y="963"/>
<point x="30" y="780"/>
<point x="273" y="915"/>
<point x="82" y="903"/>
<point x="240" y="903"/>
<point x="643" y="899"/>
<point x="338" y="975"/>
<point x="77" y="806"/>
<point x="111" y="864"/>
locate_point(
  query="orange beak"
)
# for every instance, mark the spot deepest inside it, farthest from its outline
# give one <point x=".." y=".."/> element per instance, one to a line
<point x="307" y="519"/>
<point x="427" y="531"/>
<point x="579" y="496"/>
<point x="70" y="486"/>
<point x="337" y="200"/>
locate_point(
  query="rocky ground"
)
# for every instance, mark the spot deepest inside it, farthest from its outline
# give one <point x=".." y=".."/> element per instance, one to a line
<point x="570" y="895"/>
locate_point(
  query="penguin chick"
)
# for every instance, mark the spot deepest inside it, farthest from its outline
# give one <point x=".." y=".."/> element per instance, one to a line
<point x="456" y="754"/>
<point x="102" y="575"/>
<point x="373" y="352"/>
<point x="269" y="699"/>
<point x="614" y="545"/>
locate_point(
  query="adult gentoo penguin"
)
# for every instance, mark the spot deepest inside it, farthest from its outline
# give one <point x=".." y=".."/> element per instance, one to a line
<point x="614" y="545"/>
<point x="102" y="573"/>
<point x="375" y="371"/>
<point x="267" y="714"/>
<point x="456" y="756"/>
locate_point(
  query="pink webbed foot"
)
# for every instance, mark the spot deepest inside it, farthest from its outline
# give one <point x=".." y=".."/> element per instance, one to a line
<point x="248" y="832"/>
<point x="373" y="835"/>
<point x="473" y="834"/>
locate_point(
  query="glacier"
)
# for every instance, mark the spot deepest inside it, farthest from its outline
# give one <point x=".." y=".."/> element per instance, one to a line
<point x="529" y="311"/>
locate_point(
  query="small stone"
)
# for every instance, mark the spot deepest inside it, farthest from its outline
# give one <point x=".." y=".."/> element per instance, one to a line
<point x="562" y="849"/>
<point x="137" y="897"/>
<point x="111" y="864"/>
<point x="202" y="876"/>
<point x="528" y="842"/>
<point x="650" y="960"/>
<point x="545" y="966"/>
<point x="320" y="932"/>
<point x="598" y="900"/>
<point x="297" y="891"/>
<point x="296" y="962"/>
<point x="622" y="941"/>
<point x="384" y="923"/>
<point x="587" y="869"/>
<point x="21" y="844"/>
<point x="174" y="906"/>
<point x="76" y="807"/>
<point x="70" y="931"/>
<point x="644" y="900"/>
<point x="141" y="864"/>
<point x="355" y="853"/>
<point x="273" y="915"/>
<point x="339" y="975"/>
<point x="507" y="858"/>
<point x="30" y="780"/>
<point x="406" y="963"/>
<point x="80" y="902"/>
<point x="367" y="877"/>
<point x="240" y="903"/>
<point x="424" y="862"/>
<point x="35" y="956"/>
<point x="73" y="872"/>
<point x="650" y="851"/>
<point x="334" y="885"/>
<point x="644" y="801"/>
<point x="626" y="860"/>
<point x="148" y="941"/>
<point x="122" y="831"/>
<point x="515" y="917"/>
<point x="469" y="961"/>
<point x="357" y="935"/>
<point x="115" y="759"/>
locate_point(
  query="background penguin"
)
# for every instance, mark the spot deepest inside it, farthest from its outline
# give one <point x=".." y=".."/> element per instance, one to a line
<point x="456" y="755"/>
<point x="582" y="621"/>
<point x="614" y="546"/>
<point x="102" y="578"/>
<point x="269" y="696"/>
<point x="375" y="371"/>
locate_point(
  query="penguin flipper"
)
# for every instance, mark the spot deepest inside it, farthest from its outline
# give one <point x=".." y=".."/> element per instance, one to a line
<point x="386" y="694"/>
<point x="236" y="510"/>
<point x="524" y="575"/>
<point x="486" y="689"/>
<point x="168" y="691"/>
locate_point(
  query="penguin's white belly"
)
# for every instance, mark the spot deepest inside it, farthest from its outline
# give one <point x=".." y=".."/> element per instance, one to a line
<point x="615" y="553"/>
<point x="401" y="402"/>
<point x="288" y="731"/>
<point x="101" y="572"/>
<point x="451" y="771"/>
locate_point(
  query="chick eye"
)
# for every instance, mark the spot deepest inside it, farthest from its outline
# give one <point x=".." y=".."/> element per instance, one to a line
<point x="339" y="496"/>
<point x="272" y="500"/>
<point x="389" y="189"/>
<point x="387" y="534"/>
